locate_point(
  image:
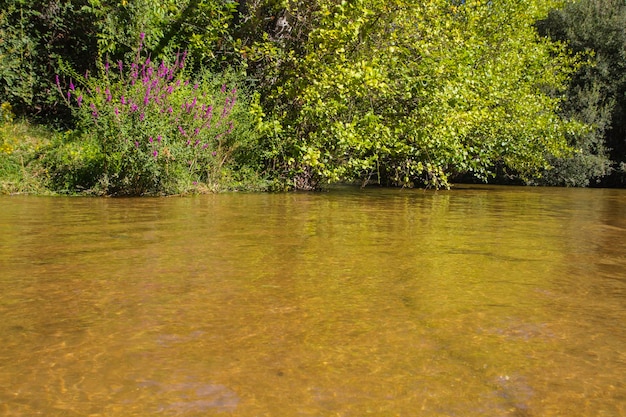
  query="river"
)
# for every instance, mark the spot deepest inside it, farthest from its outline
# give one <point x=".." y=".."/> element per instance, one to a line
<point x="479" y="301"/>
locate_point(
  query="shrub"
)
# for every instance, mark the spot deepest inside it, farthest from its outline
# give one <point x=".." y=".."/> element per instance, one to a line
<point x="149" y="128"/>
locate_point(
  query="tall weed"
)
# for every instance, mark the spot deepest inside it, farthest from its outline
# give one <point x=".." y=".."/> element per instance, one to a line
<point x="150" y="128"/>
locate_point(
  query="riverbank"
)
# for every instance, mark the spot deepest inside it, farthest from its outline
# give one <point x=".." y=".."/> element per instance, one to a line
<point x="21" y="171"/>
<point x="39" y="160"/>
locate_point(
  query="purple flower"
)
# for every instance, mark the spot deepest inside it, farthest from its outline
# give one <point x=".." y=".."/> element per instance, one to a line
<point x="223" y="88"/>
<point x="206" y="145"/>
<point x="117" y="112"/>
<point x="150" y="139"/>
<point x="56" y="78"/>
<point x="182" y="131"/>
<point x="106" y="67"/>
<point x="214" y="153"/>
<point x="79" y="100"/>
<point x="136" y="144"/>
<point x="162" y="71"/>
<point x="159" y="138"/>
<point x="134" y="107"/>
<point x="155" y="153"/>
<point x="120" y="66"/>
<point x="142" y="35"/>
<point x="141" y="117"/>
<point x="123" y="100"/>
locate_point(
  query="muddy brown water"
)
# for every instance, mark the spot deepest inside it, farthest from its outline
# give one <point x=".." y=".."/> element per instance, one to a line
<point x="480" y="301"/>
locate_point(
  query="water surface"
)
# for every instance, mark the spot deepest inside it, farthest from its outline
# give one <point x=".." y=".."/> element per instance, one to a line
<point x="481" y="301"/>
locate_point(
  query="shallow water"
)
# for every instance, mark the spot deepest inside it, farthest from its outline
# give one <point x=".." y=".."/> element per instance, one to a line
<point x="481" y="301"/>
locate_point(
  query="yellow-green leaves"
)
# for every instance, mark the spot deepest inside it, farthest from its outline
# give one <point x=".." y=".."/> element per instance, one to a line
<point x="419" y="92"/>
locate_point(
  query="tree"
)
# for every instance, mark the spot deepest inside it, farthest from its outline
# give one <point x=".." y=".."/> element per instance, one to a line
<point x="408" y="93"/>
<point x="201" y="27"/>
<point x="42" y="38"/>
<point x="597" y="92"/>
<point x="34" y="36"/>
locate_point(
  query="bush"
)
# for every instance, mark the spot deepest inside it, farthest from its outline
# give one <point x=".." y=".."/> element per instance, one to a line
<point x="149" y="128"/>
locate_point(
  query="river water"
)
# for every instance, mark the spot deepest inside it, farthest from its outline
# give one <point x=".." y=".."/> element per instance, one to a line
<point x="480" y="301"/>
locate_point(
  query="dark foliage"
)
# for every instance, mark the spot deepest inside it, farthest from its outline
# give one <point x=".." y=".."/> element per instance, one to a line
<point x="34" y="37"/>
<point x="597" y="93"/>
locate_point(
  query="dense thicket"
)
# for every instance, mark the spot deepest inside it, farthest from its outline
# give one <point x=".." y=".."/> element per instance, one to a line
<point x="406" y="93"/>
<point x="394" y="92"/>
<point x="34" y="37"/>
<point x="43" y="38"/>
<point x="596" y="93"/>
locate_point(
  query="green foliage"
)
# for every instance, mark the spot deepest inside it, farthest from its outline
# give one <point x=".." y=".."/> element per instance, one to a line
<point x="74" y="163"/>
<point x="147" y="128"/>
<point x="394" y="92"/>
<point x="21" y="145"/>
<point x="409" y="94"/>
<point x="34" y="35"/>
<point x="597" y="92"/>
<point x="6" y="113"/>
<point x="201" y="27"/>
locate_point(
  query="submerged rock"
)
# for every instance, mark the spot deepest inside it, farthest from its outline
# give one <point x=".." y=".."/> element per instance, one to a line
<point x="185" y="398"/>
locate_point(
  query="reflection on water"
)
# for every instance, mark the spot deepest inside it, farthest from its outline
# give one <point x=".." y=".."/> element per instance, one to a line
<point x="481" y="301"/>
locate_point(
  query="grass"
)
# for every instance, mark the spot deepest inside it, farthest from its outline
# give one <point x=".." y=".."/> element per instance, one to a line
<point x="21" y="145"/>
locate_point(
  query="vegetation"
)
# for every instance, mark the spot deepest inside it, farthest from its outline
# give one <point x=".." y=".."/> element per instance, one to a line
<point x="21" y="146"/>
<point x="596" y="94"/>
<point x="179" y="96"/>
<point x="146" y="128"/>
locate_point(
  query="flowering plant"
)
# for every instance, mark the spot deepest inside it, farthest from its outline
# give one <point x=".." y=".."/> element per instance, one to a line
<point x="157" y="130"/>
